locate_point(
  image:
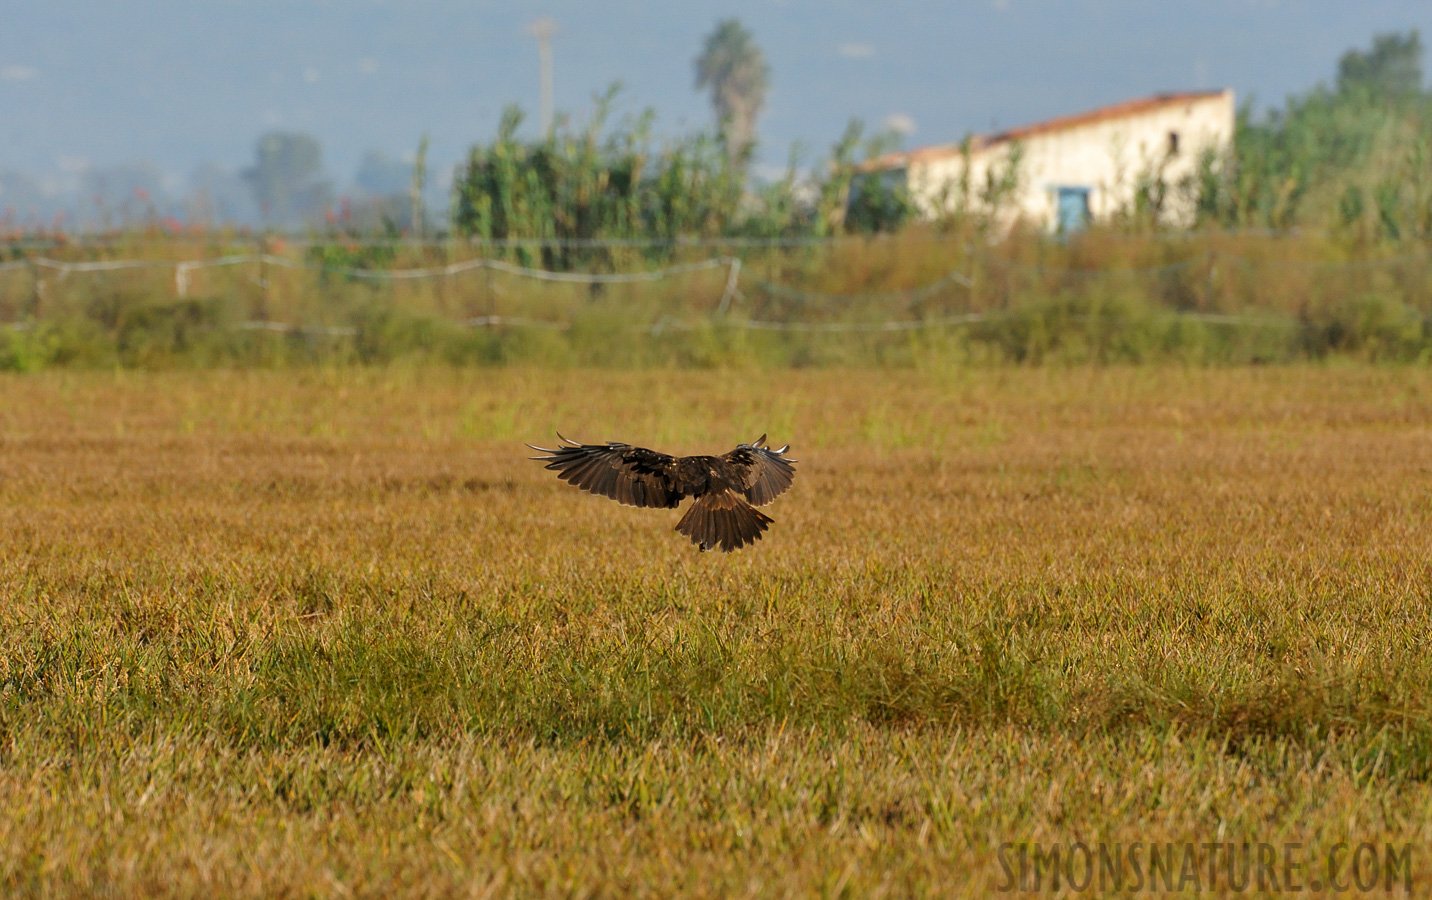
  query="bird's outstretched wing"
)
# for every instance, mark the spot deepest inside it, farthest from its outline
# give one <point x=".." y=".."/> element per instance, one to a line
<point x="765" y="473"/>
<point x="632" y="476"/>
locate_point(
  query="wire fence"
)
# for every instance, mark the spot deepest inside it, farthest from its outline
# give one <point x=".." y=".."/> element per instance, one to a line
<point x="304" y="240"/>
<point x="184" y="271"/>
<point x="43" y="268"/>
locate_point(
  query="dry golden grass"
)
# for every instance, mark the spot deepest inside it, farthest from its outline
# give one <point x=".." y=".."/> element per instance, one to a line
<point x="329" y="633"/>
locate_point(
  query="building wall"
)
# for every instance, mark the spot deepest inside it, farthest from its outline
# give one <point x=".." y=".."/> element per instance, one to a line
<point x="1106" y="156"/>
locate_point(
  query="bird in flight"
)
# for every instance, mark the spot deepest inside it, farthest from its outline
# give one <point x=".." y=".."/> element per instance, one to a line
<point x="727" y="488"/>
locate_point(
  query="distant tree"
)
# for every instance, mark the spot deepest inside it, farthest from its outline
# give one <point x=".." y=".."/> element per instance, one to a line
<point x="1392" y="68"/>
<point x="1353" y="156"/>
<point x="735" y="71"/>
<point x="286" y="178"/>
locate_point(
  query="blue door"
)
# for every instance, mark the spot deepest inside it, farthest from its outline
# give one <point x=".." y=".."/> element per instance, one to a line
<point x="1073" y="209"/>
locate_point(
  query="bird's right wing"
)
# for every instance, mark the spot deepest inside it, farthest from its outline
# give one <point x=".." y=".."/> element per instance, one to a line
<point x="766" y="473"/>
<point x="632" y="476"/>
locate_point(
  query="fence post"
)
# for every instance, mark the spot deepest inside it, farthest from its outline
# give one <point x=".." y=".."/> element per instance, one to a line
<point x="730" y="291"/>
<point x="37" y="290"/>
<point x="264" y="284"/>
<point x="181" y="279"/>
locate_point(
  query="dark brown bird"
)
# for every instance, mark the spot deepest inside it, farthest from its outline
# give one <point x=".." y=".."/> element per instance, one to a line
<point x="727" y="488"/>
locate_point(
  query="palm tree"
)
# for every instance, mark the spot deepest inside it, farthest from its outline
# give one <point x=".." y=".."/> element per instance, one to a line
<point x="735" y="70"/>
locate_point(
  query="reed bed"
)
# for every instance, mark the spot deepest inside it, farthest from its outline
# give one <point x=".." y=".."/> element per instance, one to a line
<point x="917" y="299"/>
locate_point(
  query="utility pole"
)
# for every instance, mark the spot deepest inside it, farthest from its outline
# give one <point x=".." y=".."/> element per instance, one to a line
<point x="543" y="29"/>
<point x="420" y="182"/>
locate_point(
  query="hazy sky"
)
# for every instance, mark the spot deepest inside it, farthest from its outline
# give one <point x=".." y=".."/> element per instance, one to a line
<point x="180" y="82"/>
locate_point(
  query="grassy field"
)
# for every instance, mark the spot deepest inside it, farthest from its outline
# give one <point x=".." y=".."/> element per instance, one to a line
<point x="328" y="633"/>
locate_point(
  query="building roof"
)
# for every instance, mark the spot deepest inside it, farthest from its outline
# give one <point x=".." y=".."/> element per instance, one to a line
<point x="1063" y="123"/>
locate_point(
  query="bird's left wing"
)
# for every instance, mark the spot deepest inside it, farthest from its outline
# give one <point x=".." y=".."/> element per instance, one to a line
<point x="765" y="473"/>
<point x="632" y="476"/>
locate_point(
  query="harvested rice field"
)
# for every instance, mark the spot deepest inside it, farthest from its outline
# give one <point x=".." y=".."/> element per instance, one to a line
<point x="330" y="633"/>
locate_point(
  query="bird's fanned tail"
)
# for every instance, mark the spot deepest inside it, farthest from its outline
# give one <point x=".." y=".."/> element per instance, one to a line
<point x="723" y="519"/>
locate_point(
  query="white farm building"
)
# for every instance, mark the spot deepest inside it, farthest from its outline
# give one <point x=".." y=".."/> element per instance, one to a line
<point x="1074" y="168"/>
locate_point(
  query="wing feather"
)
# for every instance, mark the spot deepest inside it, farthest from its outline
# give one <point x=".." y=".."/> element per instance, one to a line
<point x="765" y="473"/>
<point x="632" y="476"/>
